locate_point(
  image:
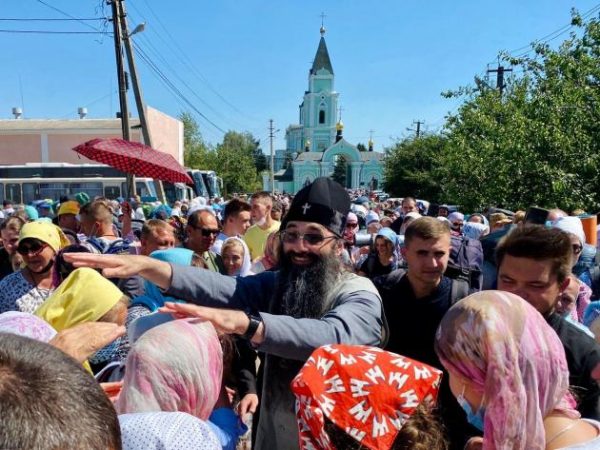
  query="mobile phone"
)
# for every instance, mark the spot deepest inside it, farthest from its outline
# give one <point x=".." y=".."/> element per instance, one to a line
<point x="536" y="215"/>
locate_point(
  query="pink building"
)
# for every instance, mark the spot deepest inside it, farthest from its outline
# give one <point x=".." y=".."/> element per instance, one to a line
<point x="52" y="140"/>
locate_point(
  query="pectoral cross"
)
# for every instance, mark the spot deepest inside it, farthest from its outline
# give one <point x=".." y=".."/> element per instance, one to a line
<point x="305" y="207"/>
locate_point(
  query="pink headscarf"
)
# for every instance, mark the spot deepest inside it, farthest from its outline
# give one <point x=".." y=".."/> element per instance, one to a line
<point x="27" y="325"/>
<point x="176" y="366"/>
<point x="510" y="354"/>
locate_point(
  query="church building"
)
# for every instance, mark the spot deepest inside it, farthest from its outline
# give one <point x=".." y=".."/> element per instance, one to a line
<point x="316" y="143"/>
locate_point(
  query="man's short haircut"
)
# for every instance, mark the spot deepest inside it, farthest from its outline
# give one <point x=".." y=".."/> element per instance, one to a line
<point x="234" y="207"/>
<point x="409" y="199"/>
<point x="154" y="225"/>
<point x="100" y="210"/>
<point x="263" y="196"/>
<point x="194" y="218"/>
<point x="538" y="243"/>
<point x="425" y="228"/>
<point x="13" y="223"/>
<point x="48" y="401"/>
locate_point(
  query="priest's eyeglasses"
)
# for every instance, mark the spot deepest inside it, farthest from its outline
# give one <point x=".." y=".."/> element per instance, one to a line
<point x="291" y="237"/>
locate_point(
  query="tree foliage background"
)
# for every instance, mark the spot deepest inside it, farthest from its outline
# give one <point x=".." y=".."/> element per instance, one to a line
<point x="537" y="144"/>
<point x="238" y="159"/>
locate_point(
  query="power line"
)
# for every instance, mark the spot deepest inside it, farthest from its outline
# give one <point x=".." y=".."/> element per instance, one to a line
<point x="184" y="59"/>
<point x="21" y="19"/>
<point x="52" y="32"/>
<point x="174" y="72"/>
<point x="148" y="62"/>
<point x="64" y="13"/>
<point x="549" y="37"/>
<point x="144" y="57"/>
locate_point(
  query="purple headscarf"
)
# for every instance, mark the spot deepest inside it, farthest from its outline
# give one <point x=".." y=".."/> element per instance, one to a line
<point x="511" y="355"/>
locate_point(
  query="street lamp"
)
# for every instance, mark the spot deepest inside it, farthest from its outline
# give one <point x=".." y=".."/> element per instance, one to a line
<point x="138" y="29"/>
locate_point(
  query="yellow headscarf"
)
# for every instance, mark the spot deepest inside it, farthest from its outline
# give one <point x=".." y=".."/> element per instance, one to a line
<point x="45" y="232"/>
<point x="85" y="296"/>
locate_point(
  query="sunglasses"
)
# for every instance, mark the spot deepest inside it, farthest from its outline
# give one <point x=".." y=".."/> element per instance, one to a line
<point x="33" y="249"/>
<point x="577" y="249"/>
<point x="206" y="232"/>
<point x="291" y="237"/>
<point x="351" y="225"/>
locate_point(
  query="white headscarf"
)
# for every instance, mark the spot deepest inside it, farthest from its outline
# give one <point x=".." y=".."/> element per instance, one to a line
<point x="246" y="264"/>
<point x="571" y="225"/>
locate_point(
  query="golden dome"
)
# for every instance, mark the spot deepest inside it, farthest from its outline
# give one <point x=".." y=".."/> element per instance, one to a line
<point x="339" y="126"/>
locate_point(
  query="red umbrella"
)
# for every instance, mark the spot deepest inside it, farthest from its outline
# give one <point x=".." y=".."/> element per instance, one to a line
<point x="134" y="158"/>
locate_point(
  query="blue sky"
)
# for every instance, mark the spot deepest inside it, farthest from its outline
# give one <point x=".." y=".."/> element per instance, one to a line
<point x="243" y="62"/>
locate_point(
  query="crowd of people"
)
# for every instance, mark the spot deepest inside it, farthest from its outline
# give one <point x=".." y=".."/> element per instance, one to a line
<point x="323" y="320"/>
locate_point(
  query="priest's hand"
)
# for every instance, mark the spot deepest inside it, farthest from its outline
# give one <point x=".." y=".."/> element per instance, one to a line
<point x="228" y="321"/>
<point x="125" y="266"/>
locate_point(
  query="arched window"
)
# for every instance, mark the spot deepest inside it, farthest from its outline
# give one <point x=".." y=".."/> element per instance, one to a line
<point x="321" y="117"/>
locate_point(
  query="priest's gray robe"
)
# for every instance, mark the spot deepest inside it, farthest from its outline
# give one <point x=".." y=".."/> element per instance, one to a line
<point x="354" y="316"/>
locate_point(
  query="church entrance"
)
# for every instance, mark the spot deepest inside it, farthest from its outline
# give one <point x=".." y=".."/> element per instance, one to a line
<point x="341" y="171"/>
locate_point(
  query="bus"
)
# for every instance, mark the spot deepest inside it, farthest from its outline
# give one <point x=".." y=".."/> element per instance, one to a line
<point x="34" y="181"/>
<point x="206" y="183"/>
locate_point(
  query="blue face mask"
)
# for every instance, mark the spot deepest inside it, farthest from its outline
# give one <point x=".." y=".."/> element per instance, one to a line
<point x="474" y="418"/>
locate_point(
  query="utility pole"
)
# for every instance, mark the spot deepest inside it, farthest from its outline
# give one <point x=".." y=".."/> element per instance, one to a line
<point x="137" y="89"/>
<point x="418" y="129"/>
<point x="118" y="31"/>
<point x="500" y="78"/>
<point x="271" y="136"/>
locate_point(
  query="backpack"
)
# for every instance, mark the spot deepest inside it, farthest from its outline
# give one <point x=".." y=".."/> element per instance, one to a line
<point x="466" y="261"/>
<point x="116" y="247"/>
<point x="460" y="287"/>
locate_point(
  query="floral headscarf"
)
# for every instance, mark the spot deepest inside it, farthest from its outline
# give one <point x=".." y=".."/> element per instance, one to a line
<point x="366" y="391"/>
<point x="508" y="352"/>
<point x="176" y="366"/>
<point x="27" y="325"/>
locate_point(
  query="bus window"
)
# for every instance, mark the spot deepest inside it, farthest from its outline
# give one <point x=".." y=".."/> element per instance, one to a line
<point x="170" y="192"/>
<point x="145" y="188"/>
<point x="30" y="192"/>
<point x="92" y="189"/>
<point x="112" y="192"/>
<point x="1" y="191"/>
<point x="53" y="190"/>
<point x="13" y="192"/>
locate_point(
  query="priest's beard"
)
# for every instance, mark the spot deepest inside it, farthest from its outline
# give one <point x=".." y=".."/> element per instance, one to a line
<point x="302" y="290"/>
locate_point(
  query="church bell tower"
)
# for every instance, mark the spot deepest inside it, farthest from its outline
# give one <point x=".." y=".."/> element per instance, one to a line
<point x="319" y="108"/>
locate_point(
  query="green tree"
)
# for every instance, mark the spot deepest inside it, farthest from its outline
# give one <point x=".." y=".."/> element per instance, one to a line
<point x="340" y="170"/>
<point x="361" y="147"/>
<point x="538" y="142"/>
<point x="412" y="167"/>
<point x="196" y="154"/>
<point x="236" y="164"/>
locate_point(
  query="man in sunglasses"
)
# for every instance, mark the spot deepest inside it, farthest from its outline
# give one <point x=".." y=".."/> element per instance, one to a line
<point x="202" y="231"/>
<point x="310" y="302"/>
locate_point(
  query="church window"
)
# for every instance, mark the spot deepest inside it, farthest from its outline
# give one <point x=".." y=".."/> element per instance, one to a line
<point x="321" y="117"/>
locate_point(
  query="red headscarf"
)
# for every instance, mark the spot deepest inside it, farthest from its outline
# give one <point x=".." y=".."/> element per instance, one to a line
<point x="366" y="391"/>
